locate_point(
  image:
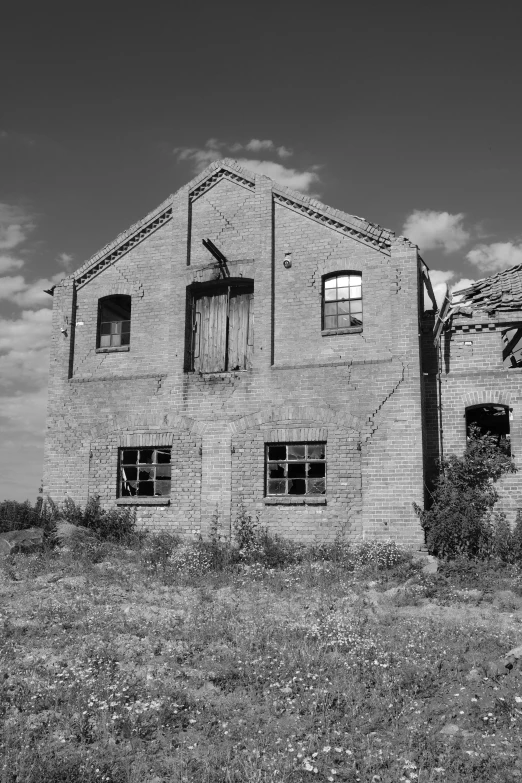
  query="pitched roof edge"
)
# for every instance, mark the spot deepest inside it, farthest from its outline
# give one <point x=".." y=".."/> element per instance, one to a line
<point x="121" y="238"/>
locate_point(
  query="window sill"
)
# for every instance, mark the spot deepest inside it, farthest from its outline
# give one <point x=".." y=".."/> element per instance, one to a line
<point x="114" y="349"/>
<point x="143" y="501"/>
<point x="343" y="330"/>
<point x="303" y="500"/>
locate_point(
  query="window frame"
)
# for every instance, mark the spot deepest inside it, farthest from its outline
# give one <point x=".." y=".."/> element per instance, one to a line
<point x="288" y="496"/>
<point x="197" y="291"/>
<point x="352" y="329"/>
<point x="137" y="498"/>
<point x="102" y="302"/>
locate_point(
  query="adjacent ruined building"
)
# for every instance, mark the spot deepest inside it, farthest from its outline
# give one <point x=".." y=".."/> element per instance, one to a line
<point x="473" y="375"/>
<point x="244" y="345"/>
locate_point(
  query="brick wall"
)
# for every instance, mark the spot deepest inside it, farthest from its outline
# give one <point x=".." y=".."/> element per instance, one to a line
<point x="363" y="389"/>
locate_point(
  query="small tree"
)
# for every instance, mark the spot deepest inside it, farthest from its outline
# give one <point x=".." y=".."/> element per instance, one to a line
<point x="461" y="519"/>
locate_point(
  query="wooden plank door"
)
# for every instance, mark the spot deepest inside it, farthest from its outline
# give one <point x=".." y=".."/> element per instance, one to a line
<point x="210" y="333"/>
<point x="240" y="330"/>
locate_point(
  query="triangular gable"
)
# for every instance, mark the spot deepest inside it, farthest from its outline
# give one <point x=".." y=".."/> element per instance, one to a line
<point x="349" y="225"/>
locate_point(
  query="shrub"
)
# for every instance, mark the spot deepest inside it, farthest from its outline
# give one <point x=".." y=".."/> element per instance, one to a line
<point x="19" y="516"/>
<point x="461" y="519"/>
<point x="117" y="525"/>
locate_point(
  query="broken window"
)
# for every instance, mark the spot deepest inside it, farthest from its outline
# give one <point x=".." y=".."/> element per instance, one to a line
<point x="296" y="469"/>
<point x="342" y="300"/>
<point x="512" y="347"/>
<point x="145" y="472"/>
<point x="491" y="420"/>
<point x="114" y="321"/>
<point x="222" y="328"/>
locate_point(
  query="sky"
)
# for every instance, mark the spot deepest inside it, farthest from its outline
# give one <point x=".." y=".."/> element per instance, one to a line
<point x="407" y="114"/>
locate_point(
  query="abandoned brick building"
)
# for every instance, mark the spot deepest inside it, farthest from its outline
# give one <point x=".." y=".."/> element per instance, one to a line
<point x="166" y="396"/>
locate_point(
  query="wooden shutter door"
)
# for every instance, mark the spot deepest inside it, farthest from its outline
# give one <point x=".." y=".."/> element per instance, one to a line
<point x="210" y="334"/>
<point x="239" y="350"/>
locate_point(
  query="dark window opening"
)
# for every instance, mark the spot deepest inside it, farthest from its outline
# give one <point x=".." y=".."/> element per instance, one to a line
<point x="295" y="469"/>
<point x="491" y="420"/>
<point x="222" y="328"/>
<point x="342" y="300"/>
<point x="144" y="472"/>
<point x="114" y="322"/>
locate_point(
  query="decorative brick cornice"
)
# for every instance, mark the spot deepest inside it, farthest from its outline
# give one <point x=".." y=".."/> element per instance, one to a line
<point x="370" y="233"/>
<point x="121" y="245"/>
<point x="213" y="179"/>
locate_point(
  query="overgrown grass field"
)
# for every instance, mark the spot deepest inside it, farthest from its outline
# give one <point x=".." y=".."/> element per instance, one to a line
<point x="164" y="661"/>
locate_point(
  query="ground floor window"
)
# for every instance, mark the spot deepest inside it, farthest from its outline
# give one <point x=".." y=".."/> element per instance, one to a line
<point x="491" y="420"/>
<point x="295" y="468"/>
<point x="144" y="472"/>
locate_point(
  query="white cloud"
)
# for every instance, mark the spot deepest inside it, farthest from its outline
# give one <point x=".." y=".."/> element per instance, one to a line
<point x="216" y="150"/>
<point x="290" y="178"/>
<point x="496" y="256"/>
<point x="429" y="230"/>
<point x="8" y="263"/>
<point x="65" y="260"/>
<point x="18" y="291"/>
<point x="439" y="280"/>
<point x="15" y="226"/>
<point x="24" y="365"/>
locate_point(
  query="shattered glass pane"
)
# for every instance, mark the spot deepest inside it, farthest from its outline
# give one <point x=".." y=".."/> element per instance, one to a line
<point x="163" y="455"/>
<point x="129" y="473"/>
<point x="129" y="456"/>
<point x="296" y="487"/>
<point x="276" y="470"/>
<point x="316" y="469"/>
<point x="146" y="456"/>
<point x="146" y="474"/>
<point x="316" y="487"/>
<point x="276" y="452"/>
<point x="128" y="488"/>
<point x="276" y="487"/>
<point x="296" y="451"/>
<point x="316" y="451"/>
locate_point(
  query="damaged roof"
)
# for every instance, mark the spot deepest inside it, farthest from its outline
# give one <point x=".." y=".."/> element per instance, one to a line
<point x="502" y="291"/>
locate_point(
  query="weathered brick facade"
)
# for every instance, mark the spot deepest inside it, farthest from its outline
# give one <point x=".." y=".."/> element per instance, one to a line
<point x="357" y="390"/>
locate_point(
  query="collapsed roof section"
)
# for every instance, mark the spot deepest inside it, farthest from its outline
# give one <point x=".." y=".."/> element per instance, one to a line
<point x="498" y="292"/>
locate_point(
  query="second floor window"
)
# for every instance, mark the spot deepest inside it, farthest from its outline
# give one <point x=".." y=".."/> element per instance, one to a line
<point x="114" y="321"/>
<point x="342" y="301"/>
<point x="222" y="328"/>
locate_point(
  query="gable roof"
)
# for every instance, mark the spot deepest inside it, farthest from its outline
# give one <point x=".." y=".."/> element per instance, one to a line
<point x="349" y="225"/>
<point x="502" y="291"/>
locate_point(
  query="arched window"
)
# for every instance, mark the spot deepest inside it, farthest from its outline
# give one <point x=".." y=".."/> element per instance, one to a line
<point x="114" y="319"/>
<point x="491" y="419"/>
<point x="342" y="300"/>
